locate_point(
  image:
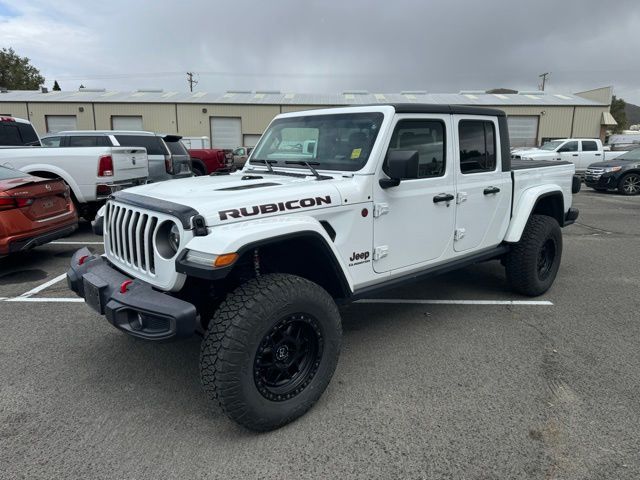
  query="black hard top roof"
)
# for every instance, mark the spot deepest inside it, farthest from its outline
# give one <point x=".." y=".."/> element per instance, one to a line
<point x="440" y="108"/>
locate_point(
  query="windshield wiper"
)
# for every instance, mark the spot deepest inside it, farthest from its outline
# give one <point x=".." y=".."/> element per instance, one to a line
<point x="304" y="163"/>
<point x="270" y="169"/>
<point x="267" y="163"/>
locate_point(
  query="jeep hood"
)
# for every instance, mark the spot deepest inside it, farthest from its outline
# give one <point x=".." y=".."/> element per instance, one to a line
<point x="224" y="199"/>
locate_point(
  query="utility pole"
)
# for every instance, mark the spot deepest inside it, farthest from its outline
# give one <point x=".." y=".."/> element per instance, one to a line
<point x="191" y="81"/>
<point x="544" y="80"/>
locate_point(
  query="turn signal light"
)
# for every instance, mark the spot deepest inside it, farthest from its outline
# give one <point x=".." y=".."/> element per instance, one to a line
<point x="225" y="259"/>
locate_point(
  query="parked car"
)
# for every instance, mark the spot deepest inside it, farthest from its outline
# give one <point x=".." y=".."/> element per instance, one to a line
<point x="92" y="173"/>
<point x="621" y="173"/>
<point x="168" y="159"/>
<point x="580" y="151"/>
<point x="208" y="160"/>
<point x="33" y="211"/>
<point x="259" y="259"/>
<point x="240" y="156"/>
<point x="17" y="132"/>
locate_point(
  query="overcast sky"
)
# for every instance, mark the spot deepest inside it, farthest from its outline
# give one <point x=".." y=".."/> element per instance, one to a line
<point x="310" y="46"/>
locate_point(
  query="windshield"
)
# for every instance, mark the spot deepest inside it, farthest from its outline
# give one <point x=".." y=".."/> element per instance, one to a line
<point x="630" y="155"/>
<point x="551" y="145"/>
<point x="331" y="142"/>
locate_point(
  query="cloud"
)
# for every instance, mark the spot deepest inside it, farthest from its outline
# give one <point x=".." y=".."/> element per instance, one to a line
<point x="328" y="46"/>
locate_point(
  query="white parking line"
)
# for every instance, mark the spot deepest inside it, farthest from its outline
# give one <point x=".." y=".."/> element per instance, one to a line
<point x="43" y="299"/>
<point x="62" y="242"/>
<point x="390" y="301"/>
<point x="454" y="302"/>
<point x="39" y="288"/>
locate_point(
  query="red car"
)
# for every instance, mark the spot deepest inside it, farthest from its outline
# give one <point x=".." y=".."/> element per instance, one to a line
<point x="33" y="211"/>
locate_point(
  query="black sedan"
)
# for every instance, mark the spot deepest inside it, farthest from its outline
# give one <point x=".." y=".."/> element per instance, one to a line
<point x="622" y="174"/>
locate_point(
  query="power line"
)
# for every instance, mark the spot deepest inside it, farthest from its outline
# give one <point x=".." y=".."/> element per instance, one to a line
<point x="544" y="80"/>
<point x="191" y="80"/>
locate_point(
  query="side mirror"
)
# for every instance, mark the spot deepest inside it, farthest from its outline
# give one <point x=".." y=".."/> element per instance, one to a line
<point x="401" y="164"/>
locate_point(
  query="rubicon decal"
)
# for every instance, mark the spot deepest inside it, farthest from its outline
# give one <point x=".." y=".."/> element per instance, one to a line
<point x="274" y="207"/>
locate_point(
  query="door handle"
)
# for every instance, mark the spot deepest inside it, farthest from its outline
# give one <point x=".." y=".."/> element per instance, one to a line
<point x="597" y="154"/>
<point x="490" y="190"/>
<point x="443" y="197"/>
<point x="574" y="155"/>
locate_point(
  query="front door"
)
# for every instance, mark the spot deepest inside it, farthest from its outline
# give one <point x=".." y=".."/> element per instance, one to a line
<point x="483" y="189"/>
<point x="414" y="221"/>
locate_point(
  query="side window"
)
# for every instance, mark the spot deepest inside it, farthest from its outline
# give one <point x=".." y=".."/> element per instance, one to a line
<point x="569" y="147"/>
<point x="82" y="141"/>
<point x="477" y="146"/>
<point x="427" y="138"/>
<point x="29" y="136"/>
<point x="589" y="146"/>
<point x="51" y="141"/>
<point x="9" y="135"/>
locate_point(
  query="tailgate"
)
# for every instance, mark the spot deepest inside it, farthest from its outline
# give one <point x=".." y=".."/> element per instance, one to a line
<point x="129" y="162"/>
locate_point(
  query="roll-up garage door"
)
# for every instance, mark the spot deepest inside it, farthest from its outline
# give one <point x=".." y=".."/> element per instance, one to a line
<point x="523" y="131"/>
<point x="60" y="123"/>
<point x="126" y="123"/>
<point x="251" y="140"/>
<point x="226" y="132"/>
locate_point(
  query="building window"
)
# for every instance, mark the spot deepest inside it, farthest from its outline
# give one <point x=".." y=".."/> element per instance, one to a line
<point x="59" y="123"/>
<point x="477" y="146"/>
<point x="126" y="122"/>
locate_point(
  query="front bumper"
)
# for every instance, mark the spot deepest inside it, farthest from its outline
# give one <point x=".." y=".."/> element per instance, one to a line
<point x="137" y="309"/>
<point x="604" y="181"/>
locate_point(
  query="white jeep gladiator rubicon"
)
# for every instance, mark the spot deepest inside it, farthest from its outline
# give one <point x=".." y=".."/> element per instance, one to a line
<point x="333" y="205"/>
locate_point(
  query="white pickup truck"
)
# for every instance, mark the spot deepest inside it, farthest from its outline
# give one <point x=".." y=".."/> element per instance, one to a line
<point x="259" y="259"/>
<point x="582" y="152"/>
<point x="92" y="173"/>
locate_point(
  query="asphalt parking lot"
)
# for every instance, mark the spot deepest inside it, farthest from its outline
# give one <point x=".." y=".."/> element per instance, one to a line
<point x="423" y="389"/>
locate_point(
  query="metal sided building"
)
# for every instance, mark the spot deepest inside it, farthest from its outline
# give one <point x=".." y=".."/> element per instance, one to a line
<point x="238" y="118"/>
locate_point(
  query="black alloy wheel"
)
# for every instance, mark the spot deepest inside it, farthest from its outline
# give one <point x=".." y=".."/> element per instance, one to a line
<point x="288" y="357"/>
<point x="546" y="258"/>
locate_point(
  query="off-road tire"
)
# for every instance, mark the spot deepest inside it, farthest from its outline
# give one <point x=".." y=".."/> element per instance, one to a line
<point x="238" y="332"/>
<point x="523" y="262"/>
<point x="629" y="184"/>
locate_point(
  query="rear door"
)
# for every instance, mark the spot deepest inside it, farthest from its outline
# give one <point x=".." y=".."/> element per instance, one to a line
<point x="483" y="190"/>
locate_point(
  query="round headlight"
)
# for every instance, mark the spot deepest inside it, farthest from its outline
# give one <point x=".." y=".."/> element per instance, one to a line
<point x="174" y="238"/>
<point x="168" y="239"/>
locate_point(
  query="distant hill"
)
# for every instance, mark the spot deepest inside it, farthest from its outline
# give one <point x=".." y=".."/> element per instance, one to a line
<point x="633" y="113"/>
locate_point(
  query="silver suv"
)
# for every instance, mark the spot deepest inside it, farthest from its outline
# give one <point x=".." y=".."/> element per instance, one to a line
<point x="168" y="159"/>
